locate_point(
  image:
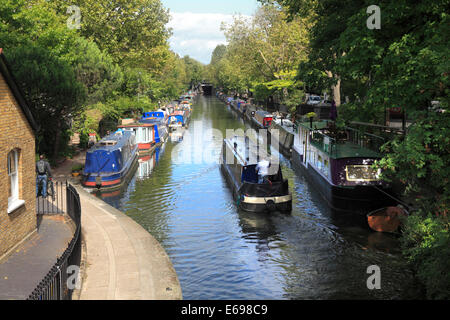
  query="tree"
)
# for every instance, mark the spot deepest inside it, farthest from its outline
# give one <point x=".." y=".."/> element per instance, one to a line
<point x="133" y="32"/>
<point x="52" y="90"/>
<point x="263" y="53"/>
<point x="96" y="70"/>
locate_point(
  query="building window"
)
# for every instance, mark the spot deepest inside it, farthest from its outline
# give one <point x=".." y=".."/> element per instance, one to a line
<point x="13" y="181"/>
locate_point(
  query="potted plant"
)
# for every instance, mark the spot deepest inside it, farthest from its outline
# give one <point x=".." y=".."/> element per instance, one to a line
<point x="76" y="169"/>
<point x="311" y="116"/>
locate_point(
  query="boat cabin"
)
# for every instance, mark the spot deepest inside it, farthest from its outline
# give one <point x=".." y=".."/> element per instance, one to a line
<point x="109" y="162"/>
<point x="254" y="193"/>
<point x="263" y="118"/>
<point x="146" y="134"/>
<point x="339" y="161"/>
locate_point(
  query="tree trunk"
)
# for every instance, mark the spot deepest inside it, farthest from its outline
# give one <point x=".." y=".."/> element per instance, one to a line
<point x="335" y="88"/>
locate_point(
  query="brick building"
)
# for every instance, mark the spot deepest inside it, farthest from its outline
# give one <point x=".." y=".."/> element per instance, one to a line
<point x="17" y="163"/>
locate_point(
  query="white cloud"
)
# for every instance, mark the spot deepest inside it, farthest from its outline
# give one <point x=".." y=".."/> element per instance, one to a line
<point x="197" y="34"/>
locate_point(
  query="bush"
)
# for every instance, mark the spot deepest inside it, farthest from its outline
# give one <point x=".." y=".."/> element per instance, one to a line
<point x="426" y="244"/>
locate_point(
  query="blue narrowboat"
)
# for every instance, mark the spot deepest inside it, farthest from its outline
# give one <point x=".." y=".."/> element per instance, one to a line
<point x="178" y="119"/>
<point x="110" y="161"/>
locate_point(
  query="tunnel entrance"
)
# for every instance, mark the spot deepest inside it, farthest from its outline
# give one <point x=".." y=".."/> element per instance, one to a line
<point x="207" y="89"/>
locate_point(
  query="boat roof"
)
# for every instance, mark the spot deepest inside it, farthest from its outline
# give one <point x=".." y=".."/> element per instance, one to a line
<point x="112" y="141"/>
<point x="265" y="113"/>
<point x="345" y="149"/>
<point x="138" y="124"/>
<point x="240" y="150"/>
<point x="150" y="114"/>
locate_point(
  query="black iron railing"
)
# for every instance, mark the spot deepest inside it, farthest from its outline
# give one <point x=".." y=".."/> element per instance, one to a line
<point x="61" y="280"/>
<point x="54" y="202"/>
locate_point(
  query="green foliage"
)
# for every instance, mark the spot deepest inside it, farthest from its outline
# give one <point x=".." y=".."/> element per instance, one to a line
<point x="262" y="55"/>
<point x="119" y="62"/>
<point x="133" y="32"/>
<point x="421" y="161"/>
<point x="404" y="64"/>
<point x="426" y="243"/>
<point x="52" y="91"/>
<point x="101" y="77"/>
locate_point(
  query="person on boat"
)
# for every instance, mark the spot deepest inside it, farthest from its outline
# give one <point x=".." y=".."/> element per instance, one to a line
<point x="262" y="169"/>
<point x="43" y="174"/>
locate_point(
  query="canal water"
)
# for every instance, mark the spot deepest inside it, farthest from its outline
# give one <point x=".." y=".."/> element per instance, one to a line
<point x="219" y="252"/>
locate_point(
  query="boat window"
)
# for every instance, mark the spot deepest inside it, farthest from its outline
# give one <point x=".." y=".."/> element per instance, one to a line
<point x="361" y="173"/>
<point x="108" y="142"/>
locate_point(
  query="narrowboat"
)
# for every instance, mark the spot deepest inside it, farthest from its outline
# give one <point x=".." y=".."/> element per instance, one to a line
<point x="339" y="163"/>
<point x="110" y="161"/>
<point x="282" y="131"/>
<point x="159" y="117"/>
<point x="239" y="165"/>
<point x="160" y="120"/>
<point x="145" y="134"/>
<point x="178" y="119"/>
<point x="262" y="119"/>
<point x="185" y="105"/>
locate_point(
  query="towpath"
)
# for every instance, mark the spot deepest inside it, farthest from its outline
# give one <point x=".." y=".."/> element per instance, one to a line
<point x="120" y="259"/>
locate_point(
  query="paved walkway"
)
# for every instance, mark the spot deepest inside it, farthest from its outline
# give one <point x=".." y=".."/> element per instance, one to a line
<point x="23" y="269"/>
<point x="122" y="260"/>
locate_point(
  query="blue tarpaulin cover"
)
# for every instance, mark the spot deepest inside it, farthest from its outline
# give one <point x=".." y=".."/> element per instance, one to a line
<point x="155" y="114"/>
<point x="107" y="158"/>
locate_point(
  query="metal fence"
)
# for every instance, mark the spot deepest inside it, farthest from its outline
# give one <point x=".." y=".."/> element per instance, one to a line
<point x="58" y="284"/>
<point x="54" y="202"/>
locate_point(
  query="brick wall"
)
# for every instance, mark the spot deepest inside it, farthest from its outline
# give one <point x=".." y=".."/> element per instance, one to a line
<point x="16" y="133"/>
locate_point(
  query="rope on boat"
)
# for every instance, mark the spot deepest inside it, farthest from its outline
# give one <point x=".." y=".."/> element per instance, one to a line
<point x="407" y="206"/>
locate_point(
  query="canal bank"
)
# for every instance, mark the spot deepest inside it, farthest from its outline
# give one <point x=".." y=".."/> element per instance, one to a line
<point x="120" y="259"/>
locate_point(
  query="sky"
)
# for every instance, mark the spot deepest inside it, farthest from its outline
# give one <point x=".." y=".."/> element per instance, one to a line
<point x="196" y="24"/>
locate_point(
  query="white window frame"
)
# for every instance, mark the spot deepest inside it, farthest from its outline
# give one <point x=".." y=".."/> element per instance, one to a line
<point x="13" y="201"/>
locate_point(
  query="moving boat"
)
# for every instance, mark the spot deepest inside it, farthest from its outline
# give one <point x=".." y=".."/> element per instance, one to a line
<point x="110" y="162"/>
<point x="339" y="163"/>
<point x="239" y="162"/>
<point x="386" y="219"/>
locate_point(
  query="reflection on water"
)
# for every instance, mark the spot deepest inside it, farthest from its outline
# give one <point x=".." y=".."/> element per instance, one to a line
<point x="220" y="252"/>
